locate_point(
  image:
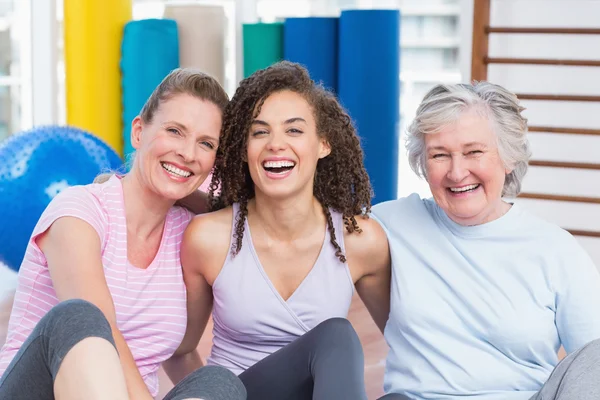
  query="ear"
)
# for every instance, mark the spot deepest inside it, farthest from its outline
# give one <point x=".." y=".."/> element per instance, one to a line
<point x="136" y="132"/>
<point x="324" y="148"/>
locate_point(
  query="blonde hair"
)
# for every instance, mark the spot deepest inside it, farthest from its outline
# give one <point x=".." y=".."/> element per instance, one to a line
<point x="179" y="81"/>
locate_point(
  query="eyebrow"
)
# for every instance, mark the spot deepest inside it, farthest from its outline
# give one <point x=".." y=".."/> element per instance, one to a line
<point x="436" y="148"/>
<point x="286" y="122"/>
<point x="473" y="144"/>
<point x="185" y="129"/>
<point x="178" y="124"/>
<point x="295" y="119"/>
<point x="470" y="144"/>
<point x="259" y="122"/>
<point x="209" y="138"/>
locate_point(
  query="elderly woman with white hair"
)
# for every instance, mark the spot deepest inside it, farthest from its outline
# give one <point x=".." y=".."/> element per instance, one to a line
<point x="483" y="293"/>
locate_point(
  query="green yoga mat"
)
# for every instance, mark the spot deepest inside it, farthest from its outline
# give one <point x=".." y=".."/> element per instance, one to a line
<point x="263" y="46"/>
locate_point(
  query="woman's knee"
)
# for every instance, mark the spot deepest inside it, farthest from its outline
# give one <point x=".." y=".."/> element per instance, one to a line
<point x="586" y="358"/>
<point x="337" y="332"/>
<point x="213" y="374"/>
<point x="336" y="325"/>
<point x="75" y="311"/>
<point x="64" y="326"/>
<point x="77" y="307"/>
<point x="75" y="317"/>
<point x="211" y="383"/>
<point x="592" y="349"/>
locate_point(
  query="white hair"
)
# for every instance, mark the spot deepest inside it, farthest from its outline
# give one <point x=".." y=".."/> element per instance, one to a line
<point x="444" y="104"/>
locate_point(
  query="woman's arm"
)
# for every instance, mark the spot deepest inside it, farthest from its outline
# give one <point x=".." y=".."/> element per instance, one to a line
<point x="72" y="249"/>
<point x="203" y="251"/>
<point x="577" y="297"/>
<point x="186" y="358"/>
<point x="368" y="257"/>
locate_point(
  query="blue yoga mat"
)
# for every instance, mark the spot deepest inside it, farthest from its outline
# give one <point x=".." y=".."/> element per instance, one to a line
<point x="313" y="42"/>
<point x="150" y="50"/>
<point x="369" y="88"/>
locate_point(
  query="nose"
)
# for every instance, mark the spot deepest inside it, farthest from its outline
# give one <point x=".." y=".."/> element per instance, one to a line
<point x="186" y="151"/>
<point x="276" y="142"/>
<point x="458" y="169"/>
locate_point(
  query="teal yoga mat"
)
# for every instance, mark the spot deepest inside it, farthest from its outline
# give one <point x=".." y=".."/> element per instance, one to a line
<point x="263" y="46"/>
<point x="150" y="50"/>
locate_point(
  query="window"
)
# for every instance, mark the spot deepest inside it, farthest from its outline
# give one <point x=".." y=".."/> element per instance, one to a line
<point x="14" y="27"/>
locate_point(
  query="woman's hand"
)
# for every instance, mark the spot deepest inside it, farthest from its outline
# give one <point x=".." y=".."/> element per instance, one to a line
<point x="196" y="202"/>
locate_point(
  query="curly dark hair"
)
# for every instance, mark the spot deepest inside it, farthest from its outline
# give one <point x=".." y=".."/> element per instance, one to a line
<point x="341" y="182"/>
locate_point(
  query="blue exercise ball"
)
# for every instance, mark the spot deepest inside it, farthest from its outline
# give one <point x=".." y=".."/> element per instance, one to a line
<point x="35" y="166"/>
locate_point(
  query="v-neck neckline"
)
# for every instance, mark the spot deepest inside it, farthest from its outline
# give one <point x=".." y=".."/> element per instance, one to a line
<point x="266" y="276"/>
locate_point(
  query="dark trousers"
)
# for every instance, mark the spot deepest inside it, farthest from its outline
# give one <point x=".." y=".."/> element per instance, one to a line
<point x="326" y="363"/>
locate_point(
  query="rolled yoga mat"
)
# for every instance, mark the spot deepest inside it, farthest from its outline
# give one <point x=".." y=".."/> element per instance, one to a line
<point x="93" y="31"/>
<point x="150" y="51"/>
<point x="313" y="42"/>
<point x="369" y="88"/>
<point x="263" y="46"/>
<point x="202" y="31"/>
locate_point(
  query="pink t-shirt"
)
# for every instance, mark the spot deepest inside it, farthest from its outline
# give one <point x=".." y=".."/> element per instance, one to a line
<point x="150" y="303"/>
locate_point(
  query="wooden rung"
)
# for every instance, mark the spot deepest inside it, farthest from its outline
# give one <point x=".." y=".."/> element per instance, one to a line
<point x="576" y="232"/>
<point x="569" y="131"/>
<point x="560" y="197"/>
<point x="542" y="61"/>
<point x="557" y="97"/>
<point x="564" y="164"/>
<point x="567" y="31"/>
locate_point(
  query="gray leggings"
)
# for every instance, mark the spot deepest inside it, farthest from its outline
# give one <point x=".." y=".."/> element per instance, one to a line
<point x="326" y="363"/>
<point x="31" y="373"/>
<point x="576" y="377"/>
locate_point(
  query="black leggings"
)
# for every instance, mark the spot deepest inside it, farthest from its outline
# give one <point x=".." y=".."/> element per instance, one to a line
<point x="32" y="371"/>
<point x="326" y="363"/>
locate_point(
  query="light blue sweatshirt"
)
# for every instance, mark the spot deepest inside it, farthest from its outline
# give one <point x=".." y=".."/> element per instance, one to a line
<point x="480" y="312"/>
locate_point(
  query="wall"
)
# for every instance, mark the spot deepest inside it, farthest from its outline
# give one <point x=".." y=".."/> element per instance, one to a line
<point x="571" y="80"/>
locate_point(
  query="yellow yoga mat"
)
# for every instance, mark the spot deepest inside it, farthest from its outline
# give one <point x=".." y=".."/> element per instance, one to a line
<point x="202" y="30"/>
<point x="93" y="31"/>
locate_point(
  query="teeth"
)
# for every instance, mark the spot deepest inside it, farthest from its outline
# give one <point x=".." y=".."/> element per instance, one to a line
<point x="464" y="188"/>
<point x="278" y="164"/>
<point x="176" y="171"/>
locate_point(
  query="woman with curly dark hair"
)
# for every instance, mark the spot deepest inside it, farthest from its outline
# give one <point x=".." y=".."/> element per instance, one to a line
<point x="289" y="241"/>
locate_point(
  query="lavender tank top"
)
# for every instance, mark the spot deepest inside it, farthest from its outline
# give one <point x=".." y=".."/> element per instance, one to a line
<point x="252" y="320"/>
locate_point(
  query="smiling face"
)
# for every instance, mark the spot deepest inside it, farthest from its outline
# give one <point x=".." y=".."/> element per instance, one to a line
<point x="464" y="170"/>
<point x="176" y="149"/>
<point x="284" y="147"/>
